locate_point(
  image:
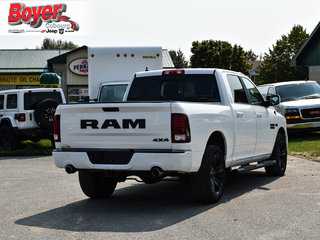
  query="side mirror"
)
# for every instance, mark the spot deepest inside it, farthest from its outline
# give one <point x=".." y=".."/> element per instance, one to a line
<point x="273" y="100"/>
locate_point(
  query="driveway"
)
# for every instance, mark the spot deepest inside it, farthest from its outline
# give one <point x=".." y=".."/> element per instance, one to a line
<point x="39" y="201"/>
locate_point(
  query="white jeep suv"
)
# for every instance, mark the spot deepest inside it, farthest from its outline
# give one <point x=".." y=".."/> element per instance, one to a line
<point x="27" y="114"/>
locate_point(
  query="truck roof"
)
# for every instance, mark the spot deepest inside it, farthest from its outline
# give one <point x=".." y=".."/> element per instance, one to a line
<point x="185" y="71"/>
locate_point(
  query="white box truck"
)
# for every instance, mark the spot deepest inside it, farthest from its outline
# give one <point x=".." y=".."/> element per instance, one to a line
<point x="111" y="69"/>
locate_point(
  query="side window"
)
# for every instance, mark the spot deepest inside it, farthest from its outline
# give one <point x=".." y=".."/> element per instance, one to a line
<point x="238" y="92"/>
<point x="12" y="101"/>
<point x="271" y="91"/>
<point x="254" y="95"/>
<point x="1" y="101"/>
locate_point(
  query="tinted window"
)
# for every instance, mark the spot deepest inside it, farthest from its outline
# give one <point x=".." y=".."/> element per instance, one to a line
<point x="238" y="92"/>
<point x="194" y="88"/>
<point x="31" y="99"/>
<point x="298" y="91"/>
<point x="112" y="92"/>
<point x="254" y="95"/>
<point x="11" y="101"/>
<point x="1" y="101"/>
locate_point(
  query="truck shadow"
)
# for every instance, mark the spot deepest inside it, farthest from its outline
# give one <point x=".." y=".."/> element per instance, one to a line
<point x="141" y="207"/>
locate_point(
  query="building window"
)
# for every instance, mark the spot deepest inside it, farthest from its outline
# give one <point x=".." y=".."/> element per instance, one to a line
<point x="76" y="94"/>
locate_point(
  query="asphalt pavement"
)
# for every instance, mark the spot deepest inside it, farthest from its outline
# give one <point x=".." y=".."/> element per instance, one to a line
<point x="40" y="201"/>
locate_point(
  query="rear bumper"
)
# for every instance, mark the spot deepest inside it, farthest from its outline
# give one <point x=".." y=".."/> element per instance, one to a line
<point x="140" y="161"/>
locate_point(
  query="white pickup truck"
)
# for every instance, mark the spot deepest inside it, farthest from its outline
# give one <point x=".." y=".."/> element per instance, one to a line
<point x="197" y="124"/>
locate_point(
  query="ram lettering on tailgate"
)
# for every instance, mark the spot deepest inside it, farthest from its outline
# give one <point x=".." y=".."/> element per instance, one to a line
<point x="126" y="124"/>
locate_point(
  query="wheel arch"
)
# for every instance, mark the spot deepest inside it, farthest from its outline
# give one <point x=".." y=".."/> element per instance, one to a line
<point x="217" y="138"/>
<point x="282" y="131"/>
<point x="5" y="121"/>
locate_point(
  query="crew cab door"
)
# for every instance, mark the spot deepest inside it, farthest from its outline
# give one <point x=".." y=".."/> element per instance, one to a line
<point x="244" y="121"/>
<point x="266" y="128"/>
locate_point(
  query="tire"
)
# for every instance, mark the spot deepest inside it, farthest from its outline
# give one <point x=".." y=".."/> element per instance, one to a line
<point x="96" y="184"/>
<point x="279" y="154"/>
<point x="44" y="113"/>
<point x="207" y="185"/>
<point x="8" y="140"/>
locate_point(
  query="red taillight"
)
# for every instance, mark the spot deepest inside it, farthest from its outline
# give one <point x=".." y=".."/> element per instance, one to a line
<point x="180" y="129"/>
<point x="56" y="128"/>
<point x="173" y="72"/>
<point x="21" y="117"/>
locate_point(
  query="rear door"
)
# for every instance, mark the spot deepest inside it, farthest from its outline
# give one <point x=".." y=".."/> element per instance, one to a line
<point x="116" y="126"/>
<point x="244" y="120"/>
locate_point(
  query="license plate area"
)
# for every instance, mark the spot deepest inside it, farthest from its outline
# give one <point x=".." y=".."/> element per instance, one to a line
<point x="316" y="124"/>
<point x="110" y="157"/>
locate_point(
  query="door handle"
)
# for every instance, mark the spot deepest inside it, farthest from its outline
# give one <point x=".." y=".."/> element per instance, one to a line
<point x="239" y="114"/>
<point x="259" y="115"/>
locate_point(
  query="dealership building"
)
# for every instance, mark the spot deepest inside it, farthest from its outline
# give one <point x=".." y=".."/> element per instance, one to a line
<point x="22" y="69"/>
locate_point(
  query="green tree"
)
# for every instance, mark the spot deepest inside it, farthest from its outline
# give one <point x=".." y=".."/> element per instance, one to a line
<point x="218" y="54"/>
<point x="251" y="56"/>
<point x="178" y="59"/>
<point x="48" y="43"/>
<point x="239" y="60"/>
<point x="275" y="67"/>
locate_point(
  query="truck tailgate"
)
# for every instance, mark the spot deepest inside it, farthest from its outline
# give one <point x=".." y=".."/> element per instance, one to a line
<point x="116" y="126"/>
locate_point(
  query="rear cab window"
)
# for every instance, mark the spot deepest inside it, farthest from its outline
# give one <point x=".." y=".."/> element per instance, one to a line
<point x="31" y="99"/>
<point x="185" y="87"/>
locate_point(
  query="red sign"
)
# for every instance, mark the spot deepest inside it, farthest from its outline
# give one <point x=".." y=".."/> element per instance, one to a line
<point x="34" y="16"/>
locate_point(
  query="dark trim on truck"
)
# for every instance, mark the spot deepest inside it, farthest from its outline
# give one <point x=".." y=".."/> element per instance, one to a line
<point x="117" y="157"/>
<point x="115" y="150"/>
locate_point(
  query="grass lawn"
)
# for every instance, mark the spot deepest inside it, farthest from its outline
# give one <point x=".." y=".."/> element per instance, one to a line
<point x="305" y="145"/>
<point x="29" y="148"/>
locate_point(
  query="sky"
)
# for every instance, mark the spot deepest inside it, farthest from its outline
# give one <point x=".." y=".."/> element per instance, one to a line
<point x="171" y="24"/>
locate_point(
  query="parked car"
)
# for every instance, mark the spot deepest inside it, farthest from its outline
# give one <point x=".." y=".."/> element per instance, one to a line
<point x="27" y="114"/>
<point x="300" y="103"/>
